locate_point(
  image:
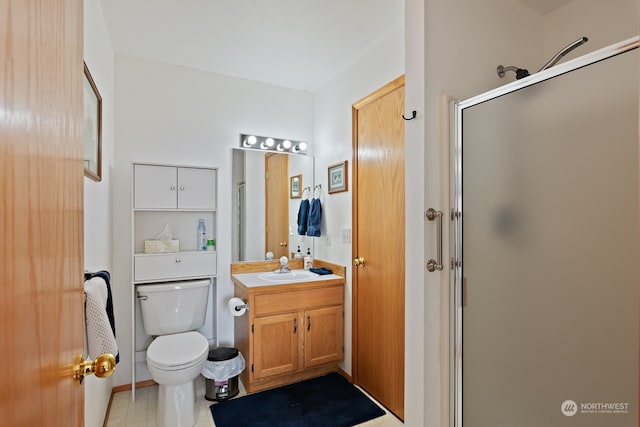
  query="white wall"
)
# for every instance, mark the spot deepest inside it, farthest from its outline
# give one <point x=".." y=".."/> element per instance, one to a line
<point x="414" y="385"/>
<point x="332" y="144"/>
<point x="604" y="23"/>
<point x="98" y="55"/>
<point x="171" y="114"/>
<point x="464" y="42"/>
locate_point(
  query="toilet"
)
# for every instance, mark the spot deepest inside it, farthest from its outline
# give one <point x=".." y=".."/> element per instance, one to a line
<point x="172" y="312"/>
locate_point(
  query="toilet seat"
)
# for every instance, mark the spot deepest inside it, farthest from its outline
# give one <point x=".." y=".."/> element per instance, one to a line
<point x="177" y="351"/>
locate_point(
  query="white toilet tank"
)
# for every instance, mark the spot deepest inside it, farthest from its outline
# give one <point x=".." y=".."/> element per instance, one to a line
<point x="171" y="308"/>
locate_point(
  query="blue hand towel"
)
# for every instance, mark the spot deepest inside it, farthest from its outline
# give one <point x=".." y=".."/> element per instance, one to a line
<point x="315" y="215"/>
<point x="321" y="271"/>
<point x="303" y="217"/>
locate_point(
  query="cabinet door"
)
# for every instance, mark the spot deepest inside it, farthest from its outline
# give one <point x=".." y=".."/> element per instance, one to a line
<point x="323" y="336"/>
<point x="154" y="187"/>
<point x="196" y="188"/>
<point x="275" y="349"/>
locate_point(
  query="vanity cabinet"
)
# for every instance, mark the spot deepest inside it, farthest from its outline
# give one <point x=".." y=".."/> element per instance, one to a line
<point x="291" y="332"/>
<point x="279" y="338"/>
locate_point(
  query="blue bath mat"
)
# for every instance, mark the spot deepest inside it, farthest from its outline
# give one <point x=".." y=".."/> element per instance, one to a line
<point x="328" y="401"/>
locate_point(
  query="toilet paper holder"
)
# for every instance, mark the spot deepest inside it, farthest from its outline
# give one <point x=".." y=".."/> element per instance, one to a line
<point x="238" y="306"/>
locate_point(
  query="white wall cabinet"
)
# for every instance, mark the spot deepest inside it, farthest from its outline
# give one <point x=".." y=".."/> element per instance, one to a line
<point x="178" y="197"/>
<point x="174" y="187"/>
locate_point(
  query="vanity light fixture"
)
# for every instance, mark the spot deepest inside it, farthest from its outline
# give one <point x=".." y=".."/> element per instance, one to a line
<point x="267" y="143"/>
<point x="302" y="146"/>
<point x="263" y="143"/>
<point x="249" y="141"/>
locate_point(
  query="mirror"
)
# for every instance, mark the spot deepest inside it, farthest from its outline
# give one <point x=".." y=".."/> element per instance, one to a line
<point x="250" y="221"/>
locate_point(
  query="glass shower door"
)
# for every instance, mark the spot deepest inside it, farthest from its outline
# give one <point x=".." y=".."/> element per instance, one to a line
<point x="549" y="248"/>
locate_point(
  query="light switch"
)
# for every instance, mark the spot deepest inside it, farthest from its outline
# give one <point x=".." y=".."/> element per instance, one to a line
<point x="345" y="235"/>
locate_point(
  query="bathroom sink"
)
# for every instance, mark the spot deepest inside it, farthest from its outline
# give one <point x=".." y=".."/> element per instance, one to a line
<point x="292" y="276"/>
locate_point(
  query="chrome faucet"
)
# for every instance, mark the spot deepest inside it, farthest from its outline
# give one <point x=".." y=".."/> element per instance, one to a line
<point x="284" y="265"/>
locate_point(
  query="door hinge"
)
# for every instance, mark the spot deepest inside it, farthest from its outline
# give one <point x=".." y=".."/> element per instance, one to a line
<point x="252" y="328"/>
<point x="455" y="263"/>
<point x="252" y="367"/>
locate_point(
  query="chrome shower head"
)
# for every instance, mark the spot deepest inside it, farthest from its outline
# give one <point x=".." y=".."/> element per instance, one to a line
<point x="563" y="52"/>
<point x="521" y="72"/>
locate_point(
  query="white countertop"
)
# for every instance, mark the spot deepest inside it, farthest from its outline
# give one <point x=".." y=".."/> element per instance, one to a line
<point x="251" y="280"/>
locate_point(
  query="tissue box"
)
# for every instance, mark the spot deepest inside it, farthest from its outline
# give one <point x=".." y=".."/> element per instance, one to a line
<point x="160" y="246"/>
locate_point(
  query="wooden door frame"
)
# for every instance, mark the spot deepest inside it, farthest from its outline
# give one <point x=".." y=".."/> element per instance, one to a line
<point x="379" y="93"/>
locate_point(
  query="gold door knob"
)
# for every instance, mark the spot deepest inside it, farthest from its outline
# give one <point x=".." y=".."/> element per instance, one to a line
<point x="358" y="262"/>
<point x="283" y="244"/>
<point x="102" y="367"/>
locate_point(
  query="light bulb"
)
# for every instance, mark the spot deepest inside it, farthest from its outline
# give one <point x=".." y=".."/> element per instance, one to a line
<point x="252" y="140"/>
<point x="280" y="147"/>
<point x="303" y="146"/>
<point x="286" y="144"/>
<point x="270" y="142"/>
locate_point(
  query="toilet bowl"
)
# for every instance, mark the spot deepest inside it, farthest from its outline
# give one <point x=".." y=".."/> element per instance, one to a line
<point x="174" y="362"/>
<point x="171" y="312"/>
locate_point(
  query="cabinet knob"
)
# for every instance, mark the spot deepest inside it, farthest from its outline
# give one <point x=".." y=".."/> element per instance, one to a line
<point x="177" y="260"/>
<point x="182" y="187"/>
<point x="173" y="187"/>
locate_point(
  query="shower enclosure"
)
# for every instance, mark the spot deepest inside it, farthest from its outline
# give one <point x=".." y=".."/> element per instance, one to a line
<point x="545" y="236"/>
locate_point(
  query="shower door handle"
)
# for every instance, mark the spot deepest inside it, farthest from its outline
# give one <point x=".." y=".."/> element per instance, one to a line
<point x="435" y="264"/>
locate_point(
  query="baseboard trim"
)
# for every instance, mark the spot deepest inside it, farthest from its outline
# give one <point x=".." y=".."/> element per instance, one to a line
<point x="344" y="374"/>
<point x="126" y="387"/>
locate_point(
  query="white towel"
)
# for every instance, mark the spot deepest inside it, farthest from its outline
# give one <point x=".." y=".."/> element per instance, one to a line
<point x="100" y="337"/>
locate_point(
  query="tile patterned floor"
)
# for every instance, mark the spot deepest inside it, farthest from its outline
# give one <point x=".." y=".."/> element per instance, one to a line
<point x="142" y="412"/>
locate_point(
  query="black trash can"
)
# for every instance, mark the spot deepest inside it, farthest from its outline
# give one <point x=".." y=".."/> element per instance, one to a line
<point x="221" y="389"/>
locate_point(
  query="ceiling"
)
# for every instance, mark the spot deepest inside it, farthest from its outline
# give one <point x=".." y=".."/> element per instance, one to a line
<point x="299" y="44"/>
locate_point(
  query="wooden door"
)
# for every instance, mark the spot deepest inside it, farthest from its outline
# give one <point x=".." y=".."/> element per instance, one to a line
<point x="379" y="238"/>
<point x="277" y="204"/>
<point x="41" y="214"/>
<point x="275" y="349"/>
<point x="323" y="331"/>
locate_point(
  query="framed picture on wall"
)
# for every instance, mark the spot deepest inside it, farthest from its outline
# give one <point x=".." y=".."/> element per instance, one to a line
<point x="295" y="187"/>
<point x="338" y="177"/>
<point x="92" y="128"/>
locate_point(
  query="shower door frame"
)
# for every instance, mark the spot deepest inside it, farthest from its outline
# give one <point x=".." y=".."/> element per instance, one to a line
<point x="456" y="232"/>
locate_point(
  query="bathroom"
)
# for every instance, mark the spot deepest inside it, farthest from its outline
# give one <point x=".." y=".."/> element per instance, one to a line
<point x="442" y="47"/>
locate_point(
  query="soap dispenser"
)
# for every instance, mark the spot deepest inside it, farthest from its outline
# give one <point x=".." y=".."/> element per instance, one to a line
<point x="298" y="254"/>
<point x="308" y="260"/>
